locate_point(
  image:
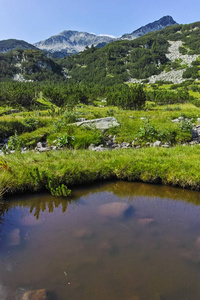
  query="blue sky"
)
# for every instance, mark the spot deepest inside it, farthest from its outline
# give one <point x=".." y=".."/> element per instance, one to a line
<point x="35" y="20"/>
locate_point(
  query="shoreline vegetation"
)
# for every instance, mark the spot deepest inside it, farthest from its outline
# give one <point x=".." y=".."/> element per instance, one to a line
<point x="56" y="171"/>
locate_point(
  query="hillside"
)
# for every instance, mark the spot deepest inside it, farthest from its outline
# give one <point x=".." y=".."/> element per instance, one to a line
<point x="171" y="54"/>
<point x="173" y="49"/>
<point x="13" y="44"/>
<point x="23" y="65"/>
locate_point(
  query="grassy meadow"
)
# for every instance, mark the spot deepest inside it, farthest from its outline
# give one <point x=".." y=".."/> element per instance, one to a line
<point x="55" y="170"/>
<point x="73" y="164"/>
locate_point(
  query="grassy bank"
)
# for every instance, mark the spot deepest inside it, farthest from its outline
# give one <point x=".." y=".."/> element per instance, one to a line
<point x="176" y="166"/>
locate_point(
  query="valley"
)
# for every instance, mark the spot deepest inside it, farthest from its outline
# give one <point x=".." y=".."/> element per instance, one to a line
<point x="148" y="89"/>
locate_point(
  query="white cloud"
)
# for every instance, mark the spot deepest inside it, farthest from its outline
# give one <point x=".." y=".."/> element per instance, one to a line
<point x="109" y="35"/>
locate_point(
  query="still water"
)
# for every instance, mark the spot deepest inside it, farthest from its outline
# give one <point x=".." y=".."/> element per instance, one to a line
<point x="114" y="241"/>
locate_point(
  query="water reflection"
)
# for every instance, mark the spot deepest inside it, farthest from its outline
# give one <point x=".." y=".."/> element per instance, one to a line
<point x="112" y="241"/>
<point x="46" y="202"/>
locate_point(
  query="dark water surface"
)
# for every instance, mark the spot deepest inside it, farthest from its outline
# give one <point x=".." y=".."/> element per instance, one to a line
<point x="113" y="241"/>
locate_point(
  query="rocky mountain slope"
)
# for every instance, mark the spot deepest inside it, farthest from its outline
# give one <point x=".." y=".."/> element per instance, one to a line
<point x="154" y="26"/>
<point x="171" y="54"/>
<point x="173" y="75"/>
<point x="28" y="65"/>
<point x="68" y="42"/>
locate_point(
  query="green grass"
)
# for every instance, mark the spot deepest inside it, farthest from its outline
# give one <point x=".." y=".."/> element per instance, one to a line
<point x="32" y="171"/>
<point x="52" y="124"/>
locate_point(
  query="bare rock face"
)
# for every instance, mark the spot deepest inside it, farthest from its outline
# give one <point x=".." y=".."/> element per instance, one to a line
<point x="35" y="295"/>
<point x="69" y="41"/>
<point x="116" y="210"/>
<point x="154" y="26"/>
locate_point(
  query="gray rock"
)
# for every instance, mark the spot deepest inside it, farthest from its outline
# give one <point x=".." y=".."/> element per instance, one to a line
<point x="125" y="144"/>
<point x="98" y="149"/>
<point x="109" y="143"/>
<point x="192" y="143"/>
<point x="157" y="144"/>
<point x="103" y="123"/>
<point x="43" y="149"/>
<point x="91" y="147"/>
<point x="53" y="147"/>
<point x="116" y="146"/>
<point x="39" y="145"/>
<point x="175" y="121"/>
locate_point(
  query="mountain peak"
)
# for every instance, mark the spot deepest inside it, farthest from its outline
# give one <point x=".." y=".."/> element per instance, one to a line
<point x="154" y="26"/>
<point x="71" y="41"/>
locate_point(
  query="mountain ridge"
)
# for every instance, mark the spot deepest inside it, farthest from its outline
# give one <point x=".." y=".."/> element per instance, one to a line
<point x="13" y="44"/>
<point x="72" y="42"/>
<point x="154" y="26"/>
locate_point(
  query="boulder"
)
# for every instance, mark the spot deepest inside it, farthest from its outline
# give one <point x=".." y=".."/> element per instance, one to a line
<point x="175" y="121"/>
<point x="35" y="295"/>
<point x="102" y="123"/>
<point x="116" y="210"/>
<point x="157" y="144"/>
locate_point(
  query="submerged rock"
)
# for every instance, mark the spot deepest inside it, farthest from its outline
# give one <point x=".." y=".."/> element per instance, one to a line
<point x="84" y="233"/>
<point x="35" y="295"/>
<point x="14" y="237"/>
<point x="197" y="243"/>
<point x="116" y="210"/>
<point x="145" y="221"/>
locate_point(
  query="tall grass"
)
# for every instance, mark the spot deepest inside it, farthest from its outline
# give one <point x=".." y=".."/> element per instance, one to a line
<point x="32" y="171"/>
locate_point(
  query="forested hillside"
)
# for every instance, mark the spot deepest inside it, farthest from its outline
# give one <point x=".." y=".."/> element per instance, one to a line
<point x="30" y="64"/>
<point x="141" y="58"/>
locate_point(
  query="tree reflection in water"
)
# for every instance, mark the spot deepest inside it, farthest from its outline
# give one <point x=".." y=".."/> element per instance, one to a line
<point x="48" y="204"/>
<point x="36" y="205"/>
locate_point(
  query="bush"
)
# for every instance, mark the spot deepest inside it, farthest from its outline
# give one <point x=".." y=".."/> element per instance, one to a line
<point x="64" y="140"/>
<point x="14" y="142"/>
